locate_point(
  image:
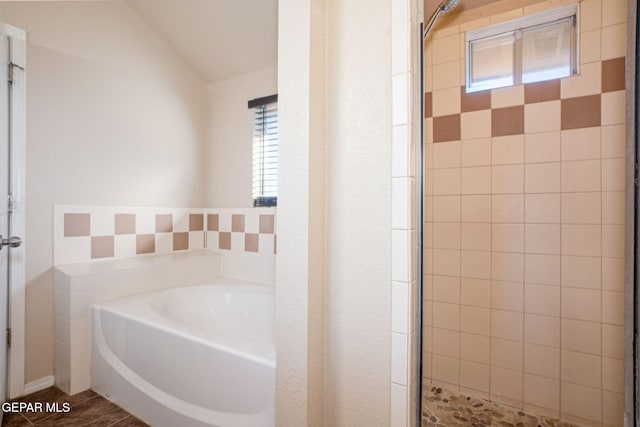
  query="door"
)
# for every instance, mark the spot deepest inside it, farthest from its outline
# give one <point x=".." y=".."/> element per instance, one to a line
<point x="12" y="91"/>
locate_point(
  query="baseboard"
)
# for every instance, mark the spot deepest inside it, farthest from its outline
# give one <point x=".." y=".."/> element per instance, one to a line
<point x="39" y="384"/>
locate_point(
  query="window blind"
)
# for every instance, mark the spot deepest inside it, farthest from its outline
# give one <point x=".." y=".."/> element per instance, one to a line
<point x="265" y="151"/>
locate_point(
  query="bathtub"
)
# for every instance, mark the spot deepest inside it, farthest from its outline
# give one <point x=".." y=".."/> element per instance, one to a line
<point x="190" y="356"/>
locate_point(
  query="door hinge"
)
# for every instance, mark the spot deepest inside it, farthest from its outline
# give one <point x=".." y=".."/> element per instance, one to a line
<point x="10" y="72"/>
<point x="11" y="205"/>
<point x="8" y="337"/>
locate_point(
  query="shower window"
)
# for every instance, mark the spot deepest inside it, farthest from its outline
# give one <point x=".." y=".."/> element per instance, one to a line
<point x="265" y="151"/>
<point x="525" y="50"/>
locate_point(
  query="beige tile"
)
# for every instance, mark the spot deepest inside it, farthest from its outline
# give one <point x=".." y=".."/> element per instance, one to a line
<point x="446" y="316"/>
<point x="164" y="223"/>
<point x="475" y="320"/>
<point x="507" y="96"/>
<point x="125" y="223"/>
<point x="507" y="237"/>
<point x="542" y="361"/>
<point x="581" y="144"/>
<point x="590" y="46"/>
<point x="581" y="208"/>
<point x="446" y="289"/>
<point x="475" y="376"/>
<point x="582" y="240"/>
<point x="580" y="176"/>
<point x="446" y="369"/>
<point x="507" y="208"/>
<point x="613" y="141"/>
<point x="77" y="224"/>
<point x="613" y="408"/>
<point x="446" y="49"/>
<point x="446" y="102"/>
<point x="613" y="174"/>
<point x="476" y="208"/>
<point x="446" y="208"/>
<point x="508" y="267"/>
<point x="181" y="242"/>
<point x="613" y="108"/>
<point x="446" y="181"/>
<point x="613" y="375"/>
<point x="542" y="239"/>
<point x="476" y="348"/>
<point x="446" y="343"/>
<point x="446" y="262"/>
<point x="542" y="178"/>
<point x="581" y="336"/>
<point x="613" y="241"/>
<point x="476" y="152"/>
<point x="613" y="274"/>
<point x="581" y="304"/>
<point x="507" y="296"/>
<point x="475" y="292"/>
<point x="613" y="341"/>
<point x="446" y="235"/>
<point x="542" y="330"/>
<point x="507" y="150"/>
<point x="476" y="236"/>
<point x="542" y="147"/>
<point x="507" y="179"/>
<point x="102" y="247"/>
<point x="581" y="272"/>
<point x="542" y="392"/>
<point x="581" y="368"/>
<point x="542" y="208"/>
<point x="476" y="264"/>
<point x="506" y="383"/>
<point x="476" y="180"/>
<point x="507" y="354"/>
<point x="542" y="299"/>
<point x="476" y="124"/>
<point x="542" y="117"/>
<point x="588" y="82"/>
<point x="542" y="269"/>
<point x="590" y="15"/>
<point x="446" y="155"/>
<point x="613" y="307"/>
<point x="581" y="401"/>
<point x="614" y="41"/>
<point x="508" y="325"/>
<point x="446" y="76"/>
<point x="614" y="12"/>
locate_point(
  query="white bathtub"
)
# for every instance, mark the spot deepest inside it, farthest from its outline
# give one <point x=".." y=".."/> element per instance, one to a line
<point x="191" y="356"/>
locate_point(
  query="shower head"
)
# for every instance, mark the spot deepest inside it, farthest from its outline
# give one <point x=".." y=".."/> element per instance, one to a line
<point x="445" y="7"/>
<point x="448" y="5"/>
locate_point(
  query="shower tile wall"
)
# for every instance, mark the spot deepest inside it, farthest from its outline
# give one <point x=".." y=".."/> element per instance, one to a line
<point x="524" y="227"/>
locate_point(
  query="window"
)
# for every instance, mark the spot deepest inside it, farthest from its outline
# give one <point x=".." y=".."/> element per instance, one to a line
<point x="265" y="150"/>
<point x="526" y="50"/>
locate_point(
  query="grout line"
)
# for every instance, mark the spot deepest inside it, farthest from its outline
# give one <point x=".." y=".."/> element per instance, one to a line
<point x="119" y="420"/>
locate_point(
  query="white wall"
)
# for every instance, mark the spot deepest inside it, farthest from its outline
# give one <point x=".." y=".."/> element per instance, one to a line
<point x="114" y="117"/>
<point x="230" y="138"/>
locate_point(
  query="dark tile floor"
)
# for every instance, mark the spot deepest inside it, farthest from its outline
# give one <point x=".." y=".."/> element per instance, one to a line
<point x="87" y="409"/>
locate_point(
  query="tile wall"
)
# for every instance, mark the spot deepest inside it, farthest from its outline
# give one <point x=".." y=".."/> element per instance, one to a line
<point x="88" y="233"/>
<point x="525" y="226"/>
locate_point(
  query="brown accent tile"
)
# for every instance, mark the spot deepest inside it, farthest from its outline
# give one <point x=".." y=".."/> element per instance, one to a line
<point x="267" y="224"/>
<point x="474" y="101"/>
<point x="542" y="91"/>
<point x="251" y="242"/>
<point x="196" y="222"/>
<point x="125" y="224"/>
<point x="446" y="128"/>
<point x="507" y="121"/>
<point x="145" y="244"/>
<point x="224" y="240"/>
<point x="428" y="104"/>
<point x="77" y="224"/>
<point x="164" y="223"/>
<point x="237" y="223"/>
<point x="581" y="112"/>
<point x="213" y="222"/>
<point x="180" y="241"/>
<point x="102" y="247"/>
<point x="613" y="75"/>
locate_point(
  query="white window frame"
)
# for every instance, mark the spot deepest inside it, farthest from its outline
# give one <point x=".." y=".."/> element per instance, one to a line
<point x="517" y="26"/>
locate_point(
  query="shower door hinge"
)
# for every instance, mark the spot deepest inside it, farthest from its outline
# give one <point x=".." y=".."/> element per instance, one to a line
<point x="10" y="72"/>
<point x="11" y="205"/>
<point x="8" y="337"/>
